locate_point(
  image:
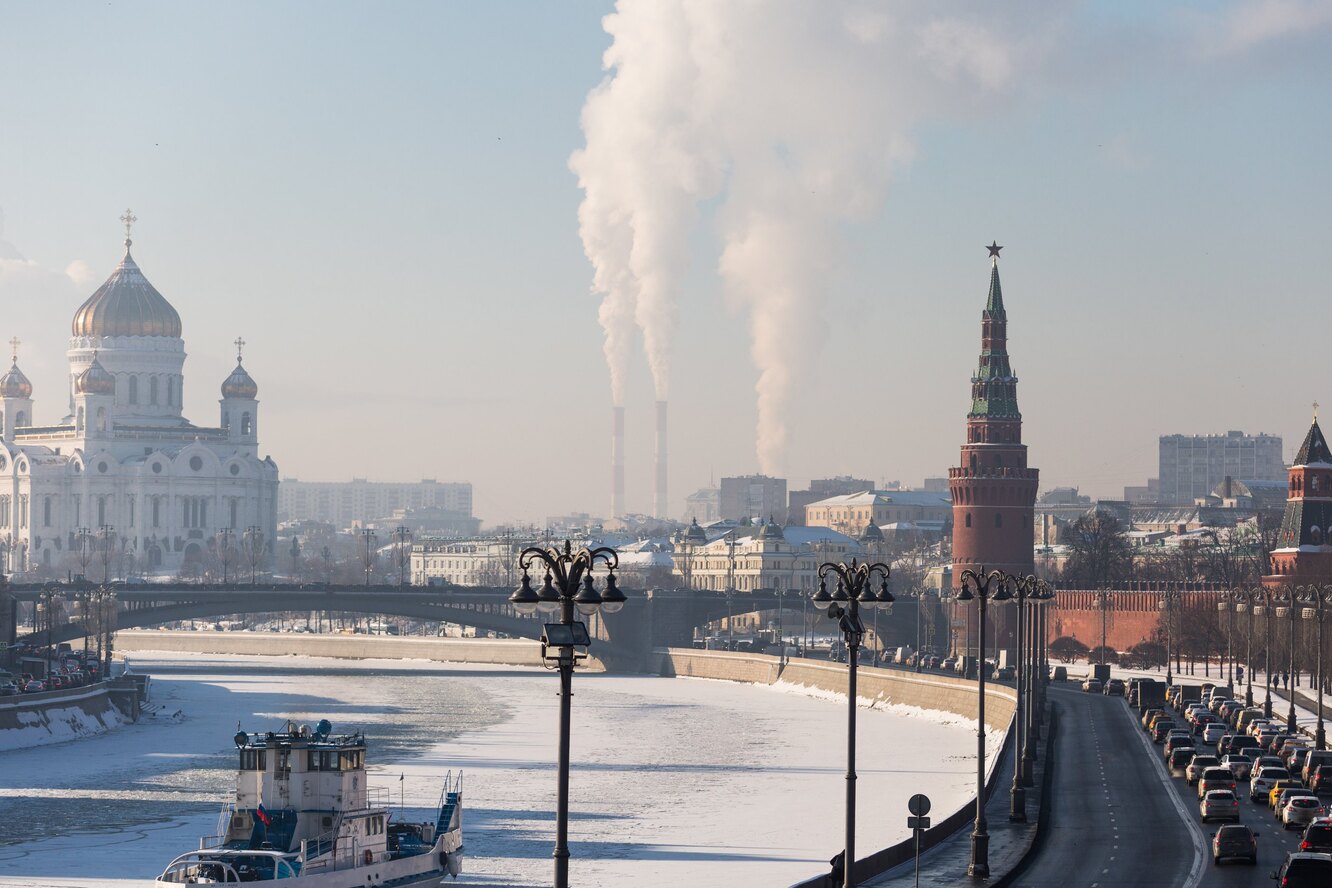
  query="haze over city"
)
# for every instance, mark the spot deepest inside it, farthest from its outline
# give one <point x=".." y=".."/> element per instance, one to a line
<point x="385" y="203"/>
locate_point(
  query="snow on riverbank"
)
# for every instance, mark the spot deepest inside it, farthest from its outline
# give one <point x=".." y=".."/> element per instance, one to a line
<point x="56" y="724"/>
<point x="673" y="782"/>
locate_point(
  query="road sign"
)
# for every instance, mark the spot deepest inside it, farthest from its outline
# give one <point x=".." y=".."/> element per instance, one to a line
<point x="918" y="823"/>
<point x="919" y="804"/>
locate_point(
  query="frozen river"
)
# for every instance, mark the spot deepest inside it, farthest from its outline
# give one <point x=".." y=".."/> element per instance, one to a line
<point x="674" y="781"/>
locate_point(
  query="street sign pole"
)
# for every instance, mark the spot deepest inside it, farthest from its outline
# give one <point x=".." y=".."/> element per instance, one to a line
<point x="919" y="806"/>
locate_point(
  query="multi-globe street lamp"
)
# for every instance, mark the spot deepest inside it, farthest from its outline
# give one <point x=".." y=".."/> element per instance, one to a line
<point x="1241" y="599"/>
<point x="854" y="590"/>
<point x="1316" y="599"/>
<point x="1261" y="605"/>
<point x="982" y="588"/>
<point x="1025" y="589"/>
<point x="1169" y="601"/>
<point x="1285" y="600"/>
<point x="568" y="586"/>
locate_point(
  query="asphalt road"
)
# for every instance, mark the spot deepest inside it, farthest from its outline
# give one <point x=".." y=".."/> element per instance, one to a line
<point x="1116" y="821"/>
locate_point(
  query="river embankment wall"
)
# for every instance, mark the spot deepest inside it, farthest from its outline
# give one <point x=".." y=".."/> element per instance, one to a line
<point x="493" y="651"/>
<point x="28" y="720"/>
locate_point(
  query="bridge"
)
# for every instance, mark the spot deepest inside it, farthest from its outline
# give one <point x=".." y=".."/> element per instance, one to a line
<point x="650" y="618"/>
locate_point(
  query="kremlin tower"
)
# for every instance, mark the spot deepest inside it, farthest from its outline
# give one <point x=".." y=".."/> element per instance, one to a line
<point x="994" y="491"/>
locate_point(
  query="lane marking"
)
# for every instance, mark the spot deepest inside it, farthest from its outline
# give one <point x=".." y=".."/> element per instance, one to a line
<point x="1199" y="843"/>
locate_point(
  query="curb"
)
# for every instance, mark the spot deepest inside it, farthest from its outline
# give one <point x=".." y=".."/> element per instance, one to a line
<point x="1047" y="800"/>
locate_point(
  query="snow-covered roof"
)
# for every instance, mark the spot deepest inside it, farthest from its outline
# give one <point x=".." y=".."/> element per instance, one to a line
<point x="888" y="497"/>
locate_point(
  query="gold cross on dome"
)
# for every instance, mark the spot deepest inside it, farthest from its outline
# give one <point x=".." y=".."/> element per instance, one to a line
<point x="129" y="219"/>
<point x="240" y="348"/>
<point x="13" y="346"/>
<point x="1315" y="411"/>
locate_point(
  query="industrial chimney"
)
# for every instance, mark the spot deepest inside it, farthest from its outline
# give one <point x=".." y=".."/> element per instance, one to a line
<point x="659" y="490"/>
<point x="617" y="462"/>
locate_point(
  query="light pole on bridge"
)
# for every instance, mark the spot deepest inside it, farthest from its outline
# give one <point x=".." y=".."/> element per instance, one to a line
<point x="1316" y="599"/>
<point x="368" y="556"/>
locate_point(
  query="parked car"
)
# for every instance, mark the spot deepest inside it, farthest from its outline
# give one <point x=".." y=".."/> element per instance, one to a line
<point x="1219" y="804"/>
<point x="1234" y="842"/>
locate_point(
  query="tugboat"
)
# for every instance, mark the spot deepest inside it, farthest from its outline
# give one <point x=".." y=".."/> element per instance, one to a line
<point x="303" y="814"/>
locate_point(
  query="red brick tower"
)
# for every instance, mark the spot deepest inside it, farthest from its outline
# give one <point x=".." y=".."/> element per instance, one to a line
<point x="1304" y="544"/>
<point x="994" y="492"/>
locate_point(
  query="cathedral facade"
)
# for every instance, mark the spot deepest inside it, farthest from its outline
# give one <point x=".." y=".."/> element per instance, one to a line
<point x="123" y="483"/>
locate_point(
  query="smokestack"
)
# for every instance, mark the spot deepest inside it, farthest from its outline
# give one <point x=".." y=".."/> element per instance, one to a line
<point x="659" y="491"/>
<point x="617" y="462"/>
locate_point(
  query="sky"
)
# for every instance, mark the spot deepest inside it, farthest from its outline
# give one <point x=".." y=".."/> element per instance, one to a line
<point x="420" y="216"/>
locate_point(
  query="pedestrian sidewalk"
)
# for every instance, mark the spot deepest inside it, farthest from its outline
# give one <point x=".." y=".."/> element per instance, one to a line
<point x="945" y="865"/>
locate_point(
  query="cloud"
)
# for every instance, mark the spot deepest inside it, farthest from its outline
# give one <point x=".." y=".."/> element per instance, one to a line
<point x="1253" y="23"/>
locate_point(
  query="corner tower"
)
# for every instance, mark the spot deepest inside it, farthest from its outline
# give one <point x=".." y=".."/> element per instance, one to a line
<point x="1303" y="551"/>
<point x="994" y="491"/>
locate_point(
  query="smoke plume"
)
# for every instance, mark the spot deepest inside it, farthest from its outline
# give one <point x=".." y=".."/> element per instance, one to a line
<point x="795" y="114"/>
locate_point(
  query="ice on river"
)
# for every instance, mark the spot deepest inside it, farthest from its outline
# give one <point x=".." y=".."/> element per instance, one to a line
<point x="674" y="781"/>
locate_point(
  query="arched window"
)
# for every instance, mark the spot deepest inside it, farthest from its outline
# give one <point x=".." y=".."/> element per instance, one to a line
<point x="152" y="390"/>
<point x="46" y="511"/>
<point x="247" y="426"/>
<point x="101" y="511"/>
<point x="78" y="420"/>
<point x="101" y="419"/>
<point x="171" y="390"/>
<point x="1313" y="482"/>
<point x="157" y="511"/>
<point x="134" y="389"/>
<point x="1316" y="535"/>
<point x="968" y="519"/>
<point x="21" y="419"/>
<point x="998" y="519"/>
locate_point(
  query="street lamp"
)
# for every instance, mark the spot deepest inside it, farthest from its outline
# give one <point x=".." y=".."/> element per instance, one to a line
<point x="568" y="585"/>
<point x="1285" y="601"/>
<point x="368" y="555"/>
<point x="992" y="586"/>
<point x="1260" y="597"/>
<point x="1241" y="599"/>
<point x="1169" y="599"/>
<point x="225" y="533"/>
<point x="854" y="590"/>
<point x="46" y="607"/>
<point x="1025" y="589"/>
<point x="1224" y="604"/>
<point x="403" y="535"/>
<point x="254" y="535"/>
<point x="107" y="534"/>
<point x="1317" y="598"/>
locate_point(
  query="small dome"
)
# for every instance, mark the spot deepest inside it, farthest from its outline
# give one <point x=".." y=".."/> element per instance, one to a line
<point x="695" y="534"/>
<point x="126" y="305"/>
<point x="14" y="384"/>
<point x="771" y="531"/>
<point x="871" y="533"/>
<point x="240" y="384"/>
<point x="95" y="380"/>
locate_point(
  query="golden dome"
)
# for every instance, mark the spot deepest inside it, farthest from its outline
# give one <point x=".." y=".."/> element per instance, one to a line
<point x="14" y="384"/>
<point x="126" y="305"/>
<point x="95" y="380"/>
<point x="240" y="384"/>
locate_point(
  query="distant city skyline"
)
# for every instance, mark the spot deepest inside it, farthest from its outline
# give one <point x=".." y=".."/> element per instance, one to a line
<point x="384" y="210"/>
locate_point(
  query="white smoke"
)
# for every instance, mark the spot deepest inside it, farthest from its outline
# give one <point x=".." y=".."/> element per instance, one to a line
<point x="795" y="113"/>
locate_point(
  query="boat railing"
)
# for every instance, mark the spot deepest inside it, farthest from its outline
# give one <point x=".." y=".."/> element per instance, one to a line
<point x="378" y="797"/>
<point x="224" y="818"/>
<point x="449" y="799"/>
<point x="346" y="854"/>
<point x="207" y="843"/>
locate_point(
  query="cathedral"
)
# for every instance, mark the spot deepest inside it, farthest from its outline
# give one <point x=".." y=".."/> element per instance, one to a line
<point x="124" y="483"/>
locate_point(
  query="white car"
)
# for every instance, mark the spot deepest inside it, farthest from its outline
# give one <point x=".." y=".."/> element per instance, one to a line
<point x="1301" y="811"/>
<point x="1213" y="732"/>
<point x="1260" y="785"/>
<point x="1257" y="725"/>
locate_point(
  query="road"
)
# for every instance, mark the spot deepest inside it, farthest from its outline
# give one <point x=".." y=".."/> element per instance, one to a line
<point x="1116" y="820"/>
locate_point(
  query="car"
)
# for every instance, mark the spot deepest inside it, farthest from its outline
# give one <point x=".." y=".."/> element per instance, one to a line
<point x="1204" y="720"/>
<point x="1160" y="729"/>
<point x="1219" y="804"/>
<point x="1317" y="837"/>
<point x="1238" y="765"/>
<point x="1198" y="764"/>
<point x="1004" y="673"/>
<point x="1262" y="781"/>
<point x="1300" y="811"/>
<point x="1237" y="743"/>
<point x="1279" y="787"/>
<point x="34" y="687"/>
<point x="1312" y="760"/>
<point x="1148" y="716"/>
<point x="8" y="688"/>
<point x="1091" y="685"/>
<point x="1234" y="842"/>
<point x="1114" y="687"/>
<point x="1215" y="778"/>
<point x="1321" y="781"/>
<point x="948" y="664"/>
<point x="1304" y="869"/>
<point x="1175" y="741"/>
<point x="1179" y="757"/>
<point x="1296" y="762"/>
<point x="1290" y="792"/>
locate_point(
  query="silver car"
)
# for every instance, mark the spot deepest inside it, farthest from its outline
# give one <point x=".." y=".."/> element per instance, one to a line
<point x="1260" y="785"/>
<point x="1219" y="804"/>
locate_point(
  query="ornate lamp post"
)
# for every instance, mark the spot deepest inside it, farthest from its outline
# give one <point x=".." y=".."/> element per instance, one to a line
<point x="225" y="535"/>
<point x="1261" y="598"/>
<point x="368" y="556"/>
<point x="1034" y="591"/>
<point x="254" y="542"/>
<point x="982" y="588"/>
<point x="1224" y="604"/>
<point x="854" y="590"/>
<point x="1169" y="599"/>
<point x="1284" y="598"/>
<point x="1317" y="599"/>
<point x="46" y="608"/>
<point x="1242" y="600"/>
<point x="403" y="535"/>
<point x="568" y="585"/>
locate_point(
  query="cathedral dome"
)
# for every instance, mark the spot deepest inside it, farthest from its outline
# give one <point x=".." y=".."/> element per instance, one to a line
<point x="240" y="384"/>
<point x="14" y="384"/>
<point x="126" y="305"/>
<point x="95" y="380"/>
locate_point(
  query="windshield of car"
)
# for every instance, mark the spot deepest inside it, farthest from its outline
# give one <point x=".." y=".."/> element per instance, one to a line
<point x="1217" y="774"/>
<point x="1220" y="795"/>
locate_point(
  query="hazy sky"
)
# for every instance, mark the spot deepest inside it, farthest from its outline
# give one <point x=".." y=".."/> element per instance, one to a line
<point x="379" y="199"/>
